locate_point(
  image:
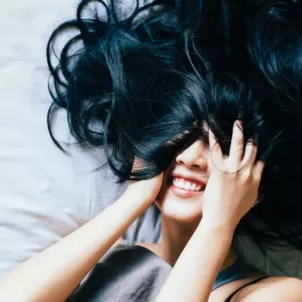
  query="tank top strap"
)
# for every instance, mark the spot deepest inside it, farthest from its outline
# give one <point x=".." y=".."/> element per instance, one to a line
<point x="239" y="270"/>
<point x="240" y="288"/>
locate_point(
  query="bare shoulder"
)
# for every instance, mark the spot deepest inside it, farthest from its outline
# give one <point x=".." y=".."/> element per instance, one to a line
<point x="153" y="247"/>
<point x="277" y="289"/>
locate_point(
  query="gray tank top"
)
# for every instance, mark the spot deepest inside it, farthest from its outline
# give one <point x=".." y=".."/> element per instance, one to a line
<point x="132" y="273"/>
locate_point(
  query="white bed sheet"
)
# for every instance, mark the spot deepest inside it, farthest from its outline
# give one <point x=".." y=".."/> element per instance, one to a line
<point x="44" y="194"/>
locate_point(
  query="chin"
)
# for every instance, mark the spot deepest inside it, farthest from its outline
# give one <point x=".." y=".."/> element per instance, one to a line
<point x="180" y="210"/>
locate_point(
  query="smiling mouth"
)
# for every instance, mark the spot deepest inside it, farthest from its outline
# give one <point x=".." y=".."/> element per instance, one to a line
<point x="187" y="185"/>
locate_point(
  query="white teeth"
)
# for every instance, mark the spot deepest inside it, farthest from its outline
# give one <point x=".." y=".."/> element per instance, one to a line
<point x="193" y="187"/>
<point x="181" y="183"/>
<point x="186" y="185"/>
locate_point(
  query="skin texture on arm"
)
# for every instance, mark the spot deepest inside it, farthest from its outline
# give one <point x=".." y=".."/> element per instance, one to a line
<point x="197" y="267"/>
<point x="56" y="272"/>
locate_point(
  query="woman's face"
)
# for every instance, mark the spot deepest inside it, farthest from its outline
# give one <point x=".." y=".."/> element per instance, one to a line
<point x="184" y="184"/>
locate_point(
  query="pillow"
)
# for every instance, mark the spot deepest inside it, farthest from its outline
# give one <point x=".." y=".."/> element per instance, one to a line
<point x="45" y="194"/>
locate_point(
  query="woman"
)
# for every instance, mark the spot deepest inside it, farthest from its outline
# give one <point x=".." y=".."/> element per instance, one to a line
<point x="133" y="85"/>
<point x="201" y="207"/>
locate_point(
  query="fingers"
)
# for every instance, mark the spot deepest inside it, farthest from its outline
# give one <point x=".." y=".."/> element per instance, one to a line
<point x="250" y="162"/>
<point x="258" y="169"/>
<point x="237" y="145"/>
<point x="249" y="153"/>
<point x="241" y="155"/>
<point x="214" y="145"/>
<point x="138" y="164"/>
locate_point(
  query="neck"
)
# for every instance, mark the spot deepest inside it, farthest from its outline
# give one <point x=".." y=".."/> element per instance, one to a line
<point x="175" y="237"/>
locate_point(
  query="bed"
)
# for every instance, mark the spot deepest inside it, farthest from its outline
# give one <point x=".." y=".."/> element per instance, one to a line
<point x="44" y="193"/>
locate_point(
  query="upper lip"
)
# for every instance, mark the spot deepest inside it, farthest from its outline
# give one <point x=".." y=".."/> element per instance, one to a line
<point x="189" y="178"/>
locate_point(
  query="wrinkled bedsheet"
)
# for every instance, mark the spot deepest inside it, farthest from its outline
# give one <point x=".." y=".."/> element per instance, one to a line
<point x="44" y="194"/>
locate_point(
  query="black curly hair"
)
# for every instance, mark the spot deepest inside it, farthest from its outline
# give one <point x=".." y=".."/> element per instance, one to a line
<point x="142" y="82"/>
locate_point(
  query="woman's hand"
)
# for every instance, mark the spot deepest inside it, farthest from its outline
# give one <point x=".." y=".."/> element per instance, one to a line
<point x="232" y="189"/>
<point x="145" y="190"/>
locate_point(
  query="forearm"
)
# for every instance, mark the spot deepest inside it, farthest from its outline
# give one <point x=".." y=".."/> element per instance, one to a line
<point x="57" y="271"/>
<point x="196" y="269"/>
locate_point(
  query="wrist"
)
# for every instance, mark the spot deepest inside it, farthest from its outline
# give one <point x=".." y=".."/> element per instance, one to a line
<point x="137" y="195"/>
<point x="215" y="226"/>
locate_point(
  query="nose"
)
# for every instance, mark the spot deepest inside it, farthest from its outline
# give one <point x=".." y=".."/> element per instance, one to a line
<point x="195" y="156"/>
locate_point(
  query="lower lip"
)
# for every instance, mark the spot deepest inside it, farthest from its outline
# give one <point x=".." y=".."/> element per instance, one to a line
<point x="184" y="193"/>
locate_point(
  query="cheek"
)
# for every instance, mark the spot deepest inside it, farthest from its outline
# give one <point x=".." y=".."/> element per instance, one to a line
<point x="164" y="188"/>
<point x="161" y="195"/>
<point x="209" y="162"/>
